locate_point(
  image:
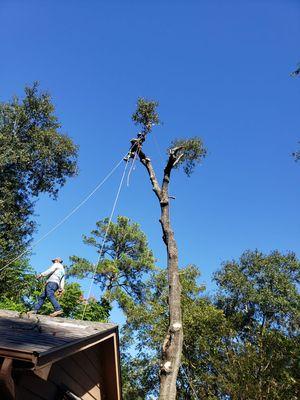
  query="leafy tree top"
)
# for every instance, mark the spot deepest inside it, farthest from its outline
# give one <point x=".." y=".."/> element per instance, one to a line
<point x="125" y="259"/>
<point x="182" y="152"/>
<point x="32" y="145"/>
<point x="261" y="289"/>
<point x="146" y="114"/>
<point x="35" y="158"/>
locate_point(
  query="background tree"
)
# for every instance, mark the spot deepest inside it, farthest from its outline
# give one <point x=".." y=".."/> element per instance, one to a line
<point x="205" y="328"/>
<point x="243" y="347"/>
<point x="186" y="153"/>
<point x="259" y="295"/>
<point x="16" y="286"/>
<point x="16" y="283"/>
<point x="124" y="261"/>
<point x="35" y="158"/>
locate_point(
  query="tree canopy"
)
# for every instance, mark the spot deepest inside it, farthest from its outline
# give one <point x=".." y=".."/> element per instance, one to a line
<point x="146" y="115"/>
<point x="123" y="263"/>
<point x="259" y="295"/>
<point x="242" y="343"/>
<point x="35" y="158"/>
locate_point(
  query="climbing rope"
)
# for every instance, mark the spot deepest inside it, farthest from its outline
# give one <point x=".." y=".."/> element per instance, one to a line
<point x="69" y="215"/>
<point x="131" y="168"/>
<point x="105" y="236"/>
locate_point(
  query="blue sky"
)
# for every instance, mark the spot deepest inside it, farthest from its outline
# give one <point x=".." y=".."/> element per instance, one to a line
<point x="219" y="70"/>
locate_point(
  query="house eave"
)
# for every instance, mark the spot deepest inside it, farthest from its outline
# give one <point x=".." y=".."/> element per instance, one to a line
<point x="56" y="354"/>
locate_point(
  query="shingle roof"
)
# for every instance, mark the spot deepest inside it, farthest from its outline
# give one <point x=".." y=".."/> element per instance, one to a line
<point x="41" y="339"/>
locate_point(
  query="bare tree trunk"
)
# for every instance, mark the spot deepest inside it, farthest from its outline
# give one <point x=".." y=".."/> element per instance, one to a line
<point x="172" y="346"/>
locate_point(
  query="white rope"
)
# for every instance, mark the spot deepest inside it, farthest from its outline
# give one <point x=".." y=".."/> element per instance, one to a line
<point x="105" y="237"/>
<point x="131" y="168"/>
<point x="65" y="218"/>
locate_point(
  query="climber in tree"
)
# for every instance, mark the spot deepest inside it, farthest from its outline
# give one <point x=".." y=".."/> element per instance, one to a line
<point x="55" y="281"/>
<point x="136" y="146"/>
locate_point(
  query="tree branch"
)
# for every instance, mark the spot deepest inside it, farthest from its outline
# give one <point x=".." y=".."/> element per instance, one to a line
<point x="147" y="163"/>
<point x="172" y="161"/>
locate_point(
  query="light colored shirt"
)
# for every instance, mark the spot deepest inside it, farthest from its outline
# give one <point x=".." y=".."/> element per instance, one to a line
<point x="56" y="274"/>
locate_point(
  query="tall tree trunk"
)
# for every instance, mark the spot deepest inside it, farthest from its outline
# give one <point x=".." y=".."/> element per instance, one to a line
<point x="186" y="152"/>
<point x="172" y="346"/>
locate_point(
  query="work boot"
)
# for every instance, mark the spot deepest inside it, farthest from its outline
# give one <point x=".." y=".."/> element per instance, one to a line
<point x="56" y="313"/>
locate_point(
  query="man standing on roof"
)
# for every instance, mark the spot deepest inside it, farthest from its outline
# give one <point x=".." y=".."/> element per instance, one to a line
<point x="55" y="281"/>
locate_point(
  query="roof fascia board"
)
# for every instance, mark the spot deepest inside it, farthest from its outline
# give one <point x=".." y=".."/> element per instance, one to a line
<point x="17" y="354"/>
<point x="63" y="351"/>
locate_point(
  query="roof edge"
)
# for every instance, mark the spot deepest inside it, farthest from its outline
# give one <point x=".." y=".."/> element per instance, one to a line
<point x="65" y="350"/>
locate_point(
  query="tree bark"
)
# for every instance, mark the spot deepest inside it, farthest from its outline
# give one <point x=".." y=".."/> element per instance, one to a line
<point x="173" y="342"/>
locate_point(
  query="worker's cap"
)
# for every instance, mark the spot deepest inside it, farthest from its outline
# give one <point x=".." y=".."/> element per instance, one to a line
<point x="58" y="259"/>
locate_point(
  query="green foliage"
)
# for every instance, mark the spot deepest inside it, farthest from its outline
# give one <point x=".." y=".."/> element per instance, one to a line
<point x="187" y="152"/>
<point x="146" y="114"/>
<point x="242" y="345"/>
<point x="17" y="281"/>
<point x="261" y="288"/>
<point x="191" y="152"/>
<point x="259" y="295"/>
<point x="71" y="300"/>
<point x="139" y="377"/>
<point x="9" y="304"/>
<point x="35" y="158"/>
<point x="93" y="310"/>
<point x="126" y="258"/>
<point x="204" y="327"/>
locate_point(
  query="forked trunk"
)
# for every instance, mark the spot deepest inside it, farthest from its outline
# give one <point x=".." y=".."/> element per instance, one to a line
<point x="172" y="346"/>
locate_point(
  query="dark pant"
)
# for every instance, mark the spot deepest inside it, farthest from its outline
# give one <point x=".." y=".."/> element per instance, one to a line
<point x="50" y="289"/>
